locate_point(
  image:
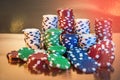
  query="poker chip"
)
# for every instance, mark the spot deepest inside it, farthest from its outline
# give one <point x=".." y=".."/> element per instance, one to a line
<point x="51" y="37"/>
<point x="66" y="20"/>
<point x="49" y="21"/>
<point x="32" y="38"/>
<point x="103" y="29"/>
<point x="56" y="50"/>
<point x="13" y="57"/>
<point x="77" y="52"/>
<point x="103" y="52"/>
<point x="58" y="61"/>
<point x="37" y="62"/>
<point x="87" y="40"/>
<point x="24" y="53"/>
<point x="82" y="61"/>
<point x="69" y="40"/>
<point x="82" y="26"/>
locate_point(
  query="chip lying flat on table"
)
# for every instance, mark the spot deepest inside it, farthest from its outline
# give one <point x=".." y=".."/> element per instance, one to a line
<point x="24" y="53"/>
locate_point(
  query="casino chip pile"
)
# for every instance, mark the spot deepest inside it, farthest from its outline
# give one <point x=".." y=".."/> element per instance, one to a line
<point x="69" y="44"/>
<point x="32" y="38"/>
<point x="66" y="20"/>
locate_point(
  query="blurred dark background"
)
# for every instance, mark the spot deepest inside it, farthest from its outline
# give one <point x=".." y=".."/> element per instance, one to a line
<point x="16" y="15"/>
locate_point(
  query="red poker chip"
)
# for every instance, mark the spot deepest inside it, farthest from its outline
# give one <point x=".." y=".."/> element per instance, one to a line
<point x="106" y="59"/>
<point x="65" y="12"/>
<point x="103" y="29"/>
<point x="13" y="57"/>
<point x="94" y="51"/>
<point x="38" y="62"/>
<point x="103" y="52"/>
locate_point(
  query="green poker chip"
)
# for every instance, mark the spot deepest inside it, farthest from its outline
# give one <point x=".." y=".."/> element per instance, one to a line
<point x="57" y="49"/>
<point x="58" y="61"/>
<point x="24" y="53"/>
<point x="51" y="37"/>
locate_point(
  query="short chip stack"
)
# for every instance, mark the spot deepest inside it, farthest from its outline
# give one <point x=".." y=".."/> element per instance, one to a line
<point x="13" y="57"/>
<point x="103" y="29"/>
<point x="49" y="21"/>
<point x="51" y="37"/>
<point x="87" y="40"/>
<point x="80" y="59"/>
<point x="69" y="40"/>
<point x="82" y="26"/>
<point x="103" y="52"/>
<point x="66" y="20"/>
<point x="32" y="38"/>
<point x="37" y="62"/>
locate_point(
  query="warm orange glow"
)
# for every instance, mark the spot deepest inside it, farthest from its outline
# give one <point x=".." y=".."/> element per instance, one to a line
<point x="115" y="10"/>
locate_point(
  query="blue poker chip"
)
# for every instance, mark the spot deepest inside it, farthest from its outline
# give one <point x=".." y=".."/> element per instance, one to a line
<point x="69" y="40"/>
<point x="77" y="53"/>
<point x="88" y="65"/>
<point x="81" y="60"/>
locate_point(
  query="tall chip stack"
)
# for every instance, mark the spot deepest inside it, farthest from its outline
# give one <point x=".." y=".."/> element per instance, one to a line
<point x="82" y="28"/>
<point x="66" y="20"/>
<point x="103" y="50"/>
<point x="103" y="28"/>
<point x="49" y="21"/>
<point x="32" y="37"/>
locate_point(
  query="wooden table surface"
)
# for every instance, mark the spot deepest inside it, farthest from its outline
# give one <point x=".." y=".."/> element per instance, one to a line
<point x="10" y="42"/>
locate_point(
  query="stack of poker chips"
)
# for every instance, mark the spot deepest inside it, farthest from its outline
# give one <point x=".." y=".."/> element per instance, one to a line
<point x="49" y="21"/>
<point x="103" y="50"/>
<point x="103" y="29"/>
<point x="66" y="20"/>
<point x="80" y="59"/>
<point x="13" y="57"/>
<point x="55" y="50"/>
<point x="82" y="26"/>
<point x="38" y="62"/>
<point x="51" y="37"/>
<point x="32" y="38"/>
